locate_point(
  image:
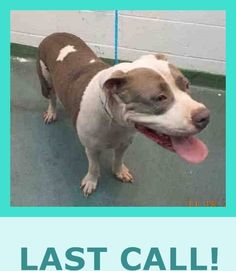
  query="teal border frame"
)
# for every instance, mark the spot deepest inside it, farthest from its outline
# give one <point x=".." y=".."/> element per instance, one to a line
<point x="7" y="211"/>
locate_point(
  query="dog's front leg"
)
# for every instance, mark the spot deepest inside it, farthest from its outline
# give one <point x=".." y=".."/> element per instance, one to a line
<point x="89" y="183"/>
<point x="118" y="167"/>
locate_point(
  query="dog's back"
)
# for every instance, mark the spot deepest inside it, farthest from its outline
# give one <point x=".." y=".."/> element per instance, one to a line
<point x="65" y="66"/>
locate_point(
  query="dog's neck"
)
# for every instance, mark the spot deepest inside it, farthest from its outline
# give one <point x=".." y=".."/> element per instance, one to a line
<point x="104" y="101"/>
<point x="114" y="108"/>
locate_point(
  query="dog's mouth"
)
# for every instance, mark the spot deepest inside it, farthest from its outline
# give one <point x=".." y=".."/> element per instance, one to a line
<point x="189" y="148"/>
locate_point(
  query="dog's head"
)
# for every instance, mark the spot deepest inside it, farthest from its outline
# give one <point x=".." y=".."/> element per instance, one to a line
<point x="155" y="98"/>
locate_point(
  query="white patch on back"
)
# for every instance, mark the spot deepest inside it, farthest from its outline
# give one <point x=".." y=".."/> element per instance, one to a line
<point x="45" y="72"/>
<point x="65" y="51"/>
<point x="92" y="60"/>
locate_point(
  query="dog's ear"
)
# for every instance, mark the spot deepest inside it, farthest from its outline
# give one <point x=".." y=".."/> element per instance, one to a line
<point x="161" y="57"/>
<point x="114" y="84"/>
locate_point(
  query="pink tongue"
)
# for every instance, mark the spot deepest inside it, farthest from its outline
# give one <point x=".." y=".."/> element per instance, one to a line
<point x="191" y="149"/>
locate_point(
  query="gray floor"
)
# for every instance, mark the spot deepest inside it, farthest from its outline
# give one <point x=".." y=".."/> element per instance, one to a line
<point x="48" y="162"/>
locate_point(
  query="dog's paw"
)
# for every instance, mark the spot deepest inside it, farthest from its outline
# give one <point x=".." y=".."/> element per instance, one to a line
<point x="49" y="116"/>
<point x="88" y="187"/>
<point x="124" y="175"/>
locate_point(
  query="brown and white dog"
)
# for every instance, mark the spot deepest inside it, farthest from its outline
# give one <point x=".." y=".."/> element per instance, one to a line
<point x="109" y="104"/>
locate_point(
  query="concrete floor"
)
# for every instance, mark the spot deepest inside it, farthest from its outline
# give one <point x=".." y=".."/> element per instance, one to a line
<point x="48" y="162"/>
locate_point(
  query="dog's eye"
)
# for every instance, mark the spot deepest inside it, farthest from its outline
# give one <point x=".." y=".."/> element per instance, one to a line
<point x="159" y="98"/>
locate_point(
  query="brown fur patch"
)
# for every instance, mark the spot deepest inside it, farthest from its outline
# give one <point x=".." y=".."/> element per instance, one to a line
<point x="146" y="91"/>
<point x="180" y="80"/>
<point x="160" y="57"/>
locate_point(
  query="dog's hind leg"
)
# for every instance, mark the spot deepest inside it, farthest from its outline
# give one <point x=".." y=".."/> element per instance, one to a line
<point x="50" y="115"/>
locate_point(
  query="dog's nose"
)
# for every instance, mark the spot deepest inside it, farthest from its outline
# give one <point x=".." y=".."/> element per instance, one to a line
<point x="201" y="117"/>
